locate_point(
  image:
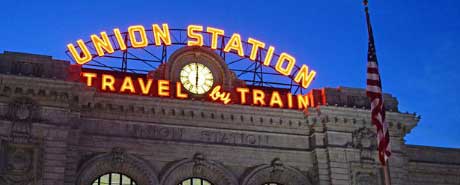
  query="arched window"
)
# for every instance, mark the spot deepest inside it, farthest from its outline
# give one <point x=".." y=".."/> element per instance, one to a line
<point x="195" y="181"/>
<point x="113" y="179"/>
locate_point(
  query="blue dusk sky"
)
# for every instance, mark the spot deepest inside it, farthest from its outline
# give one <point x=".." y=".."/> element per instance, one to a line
<point x="417" y="42"/>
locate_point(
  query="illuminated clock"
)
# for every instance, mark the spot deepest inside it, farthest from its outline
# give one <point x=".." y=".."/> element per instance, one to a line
<point x="196" y="78"/>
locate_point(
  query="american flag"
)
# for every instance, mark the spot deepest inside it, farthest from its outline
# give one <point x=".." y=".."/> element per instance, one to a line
<point x="374" y="92"/>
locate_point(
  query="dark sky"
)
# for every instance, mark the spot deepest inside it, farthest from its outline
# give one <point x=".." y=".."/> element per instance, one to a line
<point x="417" y="41"/>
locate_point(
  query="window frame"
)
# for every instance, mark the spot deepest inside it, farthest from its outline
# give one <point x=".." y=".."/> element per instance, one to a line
<point x="192" y="178"/>
<point x="97" y="180"/>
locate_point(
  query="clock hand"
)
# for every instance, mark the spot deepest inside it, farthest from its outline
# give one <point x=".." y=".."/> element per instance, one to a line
<point x="196" y="79"/>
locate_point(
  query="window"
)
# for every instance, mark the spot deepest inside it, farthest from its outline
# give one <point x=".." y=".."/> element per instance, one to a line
<point x="114" y="179"/>
<point x="271" y="183"/>
<point x="195" y="181"/>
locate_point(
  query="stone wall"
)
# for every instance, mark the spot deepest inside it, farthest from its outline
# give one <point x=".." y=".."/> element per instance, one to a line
<point x="433" y="165"/>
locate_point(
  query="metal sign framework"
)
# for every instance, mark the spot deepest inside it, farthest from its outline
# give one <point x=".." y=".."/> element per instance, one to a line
<point x="144" y="60"/>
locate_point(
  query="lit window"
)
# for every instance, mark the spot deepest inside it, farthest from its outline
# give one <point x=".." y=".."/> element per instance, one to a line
<point x="272" y="183"/>
<point x="114" y="179"/>
<point x="195" y="181"/>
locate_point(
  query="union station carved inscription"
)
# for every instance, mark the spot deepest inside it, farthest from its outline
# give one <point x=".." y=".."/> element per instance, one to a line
<point x="214" y="136"/>
<point x="158" y="132"/>
<point x="234" y="138"/>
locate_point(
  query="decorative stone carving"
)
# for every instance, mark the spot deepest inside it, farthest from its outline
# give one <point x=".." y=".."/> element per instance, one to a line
<point x="118" y="156"/>
<point x="276" y="172"/>
<point x="20" y="164"/>
<point x="198" y="166"/>
<point x="22" y="111"/>
<point x="366" y="174"/>
<point x="116" y="161"/>
<point x="365" y="140"/>
<point x="21" y="155"/>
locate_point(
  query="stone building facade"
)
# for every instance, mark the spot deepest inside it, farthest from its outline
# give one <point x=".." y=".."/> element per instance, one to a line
<point x="55" y="132"/>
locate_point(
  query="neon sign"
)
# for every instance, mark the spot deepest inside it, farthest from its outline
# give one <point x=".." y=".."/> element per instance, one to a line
<point x="136" y="84"/>
<point x="137" y="37"/>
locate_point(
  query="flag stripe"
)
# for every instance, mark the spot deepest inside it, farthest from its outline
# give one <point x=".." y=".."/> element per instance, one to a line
<point x="373" y="77"/>
<point x="373" y="89"/>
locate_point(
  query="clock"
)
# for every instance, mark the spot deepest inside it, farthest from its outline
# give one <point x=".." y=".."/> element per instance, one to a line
<point x="196" y="78"/>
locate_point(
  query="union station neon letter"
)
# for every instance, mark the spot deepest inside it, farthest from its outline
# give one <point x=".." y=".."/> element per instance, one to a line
<point x="138" y="38"/>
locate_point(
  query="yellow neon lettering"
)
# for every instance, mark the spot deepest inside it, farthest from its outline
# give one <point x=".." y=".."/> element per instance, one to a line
<point x="222" y="96"/>
<point x="279" y="65"/>
<point x="127" y="85"/>
<point x="120" y="40"/>
<point x="255" y="47"/>
<point x="289" y="100"/>
<point x="235" y="44"/>
<point x="192" y="33"/>
<point x="302" y="101"/>
<point x="103" y="44"/>
<point x="83" y="57"/>
<point x="145" y="88"/>
<point x="276" y="100"/>
<point x="304" y="77"/>
<point x="258" y="97"/>
<point x="179" y="93"/>
<point x="161" y="35"/>
<point x="163" y="88"/>
<point x="135" y="43"/>
<point x="269" y="56"/>
<point x="108" y="81"/>
<point x="243" y="91"/>
<point x="89" y="78"/>
<point x="214" y="35"/>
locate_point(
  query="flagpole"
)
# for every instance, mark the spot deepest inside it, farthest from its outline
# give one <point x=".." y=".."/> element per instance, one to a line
<point x="386" y="173"/>
<point x="385" y="163"/>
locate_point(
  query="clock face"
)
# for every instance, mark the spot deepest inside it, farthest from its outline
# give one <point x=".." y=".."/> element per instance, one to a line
<point x="196" y="78"/>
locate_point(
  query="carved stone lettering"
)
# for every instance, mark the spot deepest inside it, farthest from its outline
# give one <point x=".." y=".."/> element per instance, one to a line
<point x="234" y="138"/>
<point x="158" y="132"/>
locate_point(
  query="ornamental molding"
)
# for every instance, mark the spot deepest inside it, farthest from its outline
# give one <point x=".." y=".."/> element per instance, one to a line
<point x="276" y="172"/>
<point x="20" y="164"/>
<point x="365" y="140"/>
<point x="23" y="109"/>
<point x="21" y="155"/>
<point x="197" y="166"/>
<point x="396" y="120"/>
<point x="136" y="108"/>
<point x="22" y="112"/>
<point x="366" y="173"/>
<point x="118" y="160"/>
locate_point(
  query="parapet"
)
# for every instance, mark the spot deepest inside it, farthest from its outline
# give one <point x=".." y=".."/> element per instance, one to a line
<point x="33" y="65"/>
<point x="349" y="97"/>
